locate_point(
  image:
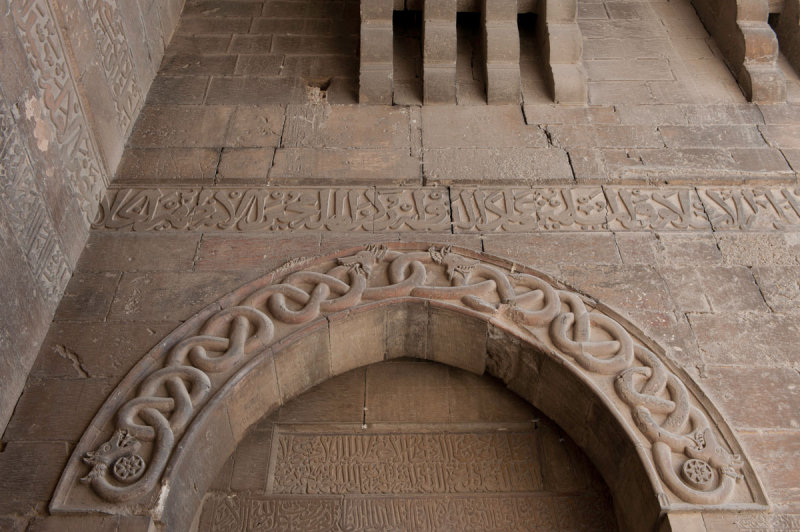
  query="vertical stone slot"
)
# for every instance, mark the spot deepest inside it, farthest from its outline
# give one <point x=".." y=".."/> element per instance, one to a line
<point x="407" y="57"/>
<point x="470" y="74"/>
<point x="531" y="61"/>
<point x="786" y="25"/>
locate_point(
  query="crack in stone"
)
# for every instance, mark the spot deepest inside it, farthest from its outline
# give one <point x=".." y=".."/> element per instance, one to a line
<point x="71" y="356"/>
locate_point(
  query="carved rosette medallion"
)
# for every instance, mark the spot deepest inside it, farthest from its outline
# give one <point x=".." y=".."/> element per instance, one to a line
<point x="164" y="394"/>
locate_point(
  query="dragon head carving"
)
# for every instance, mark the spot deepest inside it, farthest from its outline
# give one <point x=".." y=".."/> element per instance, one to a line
<point x="363" y="261"/>
<point x="120" y="444"/>
<point x="454" y="263"/>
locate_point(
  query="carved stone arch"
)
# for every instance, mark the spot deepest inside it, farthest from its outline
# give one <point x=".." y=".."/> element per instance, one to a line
<point x="155" y="445"/>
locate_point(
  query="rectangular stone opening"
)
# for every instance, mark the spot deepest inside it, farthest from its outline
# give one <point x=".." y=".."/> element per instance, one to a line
<point x="531" y="61"/>
<point x="407" y="27"/>
<point x="470" y="74"/>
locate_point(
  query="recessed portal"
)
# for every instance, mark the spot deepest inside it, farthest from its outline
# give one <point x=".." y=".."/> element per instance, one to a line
<point x="408" y="445"/>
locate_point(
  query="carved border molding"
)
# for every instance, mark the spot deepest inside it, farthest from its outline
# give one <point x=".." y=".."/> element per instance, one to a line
<point x="454" y="209"/>
<point x="126" y="457"/>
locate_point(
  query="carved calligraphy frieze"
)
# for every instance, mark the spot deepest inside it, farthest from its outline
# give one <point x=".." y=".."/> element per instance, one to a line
<point x="405" y="463"/>
<point x="115" y="59"/>
<point x="27" y="212"/>
<point x="38" y="32"/>
<point x="462" y="512"/>
<point x="276" y="209"/>
<point x="460" y="210"/>
<point x="752" y="208"/>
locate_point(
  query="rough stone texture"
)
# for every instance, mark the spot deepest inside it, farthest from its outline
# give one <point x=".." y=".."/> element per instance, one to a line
<point x="73" y="80"/>
<point x="669" y="198"/>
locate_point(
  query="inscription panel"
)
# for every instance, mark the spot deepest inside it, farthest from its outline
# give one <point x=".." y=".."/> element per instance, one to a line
<point x="37" y="30"/>
<point x="115" y="59"/>
<point x="589" y="512"/>
<point x="405" y="463"/>
<point x="27" y="212"/>
<point x="474" y="210"/>
<point x="276" y="209"/>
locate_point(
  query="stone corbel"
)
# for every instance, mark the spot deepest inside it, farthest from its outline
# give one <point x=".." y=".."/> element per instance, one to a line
<point x="748" y="45"/>
<point x="561" y="42"/>
<point x="789" y="32"/>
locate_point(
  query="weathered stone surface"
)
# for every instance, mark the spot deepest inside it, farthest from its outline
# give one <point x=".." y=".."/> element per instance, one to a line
<point x="772" y="395"/>
<point x="88" y="297"/>
<point x="29" y="474"/>
<point x="777" y="454"/>
<point x="249" y="165"/>
<point x="138" y="252"/>
<point x="181" y="126"/>
<point x="742" y="338"/>
<point x="192" y="165"/>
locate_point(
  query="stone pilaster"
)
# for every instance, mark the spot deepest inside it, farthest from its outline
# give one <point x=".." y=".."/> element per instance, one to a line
<point x="439" y="51"/>
<point x="376" y="70"/>
<point x="501" y="51"/>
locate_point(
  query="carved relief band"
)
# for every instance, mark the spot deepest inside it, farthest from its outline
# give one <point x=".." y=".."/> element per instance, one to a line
<point x="142" y="438"/>
<point x="406" y="463"/>
<point x="456" y="209"/>
<point x="497" y="513"/>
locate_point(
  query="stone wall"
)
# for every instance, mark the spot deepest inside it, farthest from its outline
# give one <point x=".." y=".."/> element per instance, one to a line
<point x="73" y="78"/>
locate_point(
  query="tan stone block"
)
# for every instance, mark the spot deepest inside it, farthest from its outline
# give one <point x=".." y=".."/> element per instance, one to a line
<point x="712" y="136"/>
<point x="780" y="286"/>
<point x="693" y="522"/>
<point x="304" y="362"/>
<point x="478" y="127"/>
<point x="255" y="126"/>
<point x="198" y="65"/>
<point x="105" y="349"/>
<point x="546" y="252"/>
<point x="253" y="253"/>
<point x="161" y="126"/>
<point x="637" y="248"/>
<point x="358" y="338"/>
<point x="772" y="399"/>
<point x="412" y="392"/>
<point x="251" y="44"/>
<point x="68" y="523"/>
<point x="193" y="25"/>
<point x="565" y="467"/>
<point x="339" y="399"/>
<point x="605" y="136"/>
<point x="506" y="166"/>
<point x="184" y="90"/>
<point x="245" y="164"/>
<point x="621" y="287"/>
<point x="346" y="126"/>
<point x="741" y="338"/>
<point x="29" y="472"/>
<point x="251" y="461"/>
<point x="252" y="396"/>
<point x="457" y="339"/>
<point x="759" y="249"/>
<point x="199" y="45"/>
<point x="108" y="252"/>
<point x="261" y="65"/>
<point x="484" y="400"/>
<point x="688" y="249"/>
<point x="55" y="409"/>
<point x="406" y="330"/>
<point x="776" y="457"/>
<point x="250" y="90"/>
<point x="88" y="297"/>
<point x="312" y="166"/>
<point x="187" y="165"/>
<point x="170" y="296"/>
<point x="629" y="69"/>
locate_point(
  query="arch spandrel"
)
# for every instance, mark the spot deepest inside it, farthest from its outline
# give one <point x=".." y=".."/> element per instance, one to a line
<point x="153" y="446"/>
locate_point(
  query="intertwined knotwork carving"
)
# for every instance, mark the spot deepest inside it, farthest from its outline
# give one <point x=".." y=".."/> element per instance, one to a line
<point x="170" y="396"/>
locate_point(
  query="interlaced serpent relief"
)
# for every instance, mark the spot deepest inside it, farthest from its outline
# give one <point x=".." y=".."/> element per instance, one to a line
<point x="689" y="458"/>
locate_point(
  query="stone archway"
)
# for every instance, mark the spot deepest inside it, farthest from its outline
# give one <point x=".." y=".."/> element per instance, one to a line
<point x="407" y="444"/>
<point x="656" y="439"/>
